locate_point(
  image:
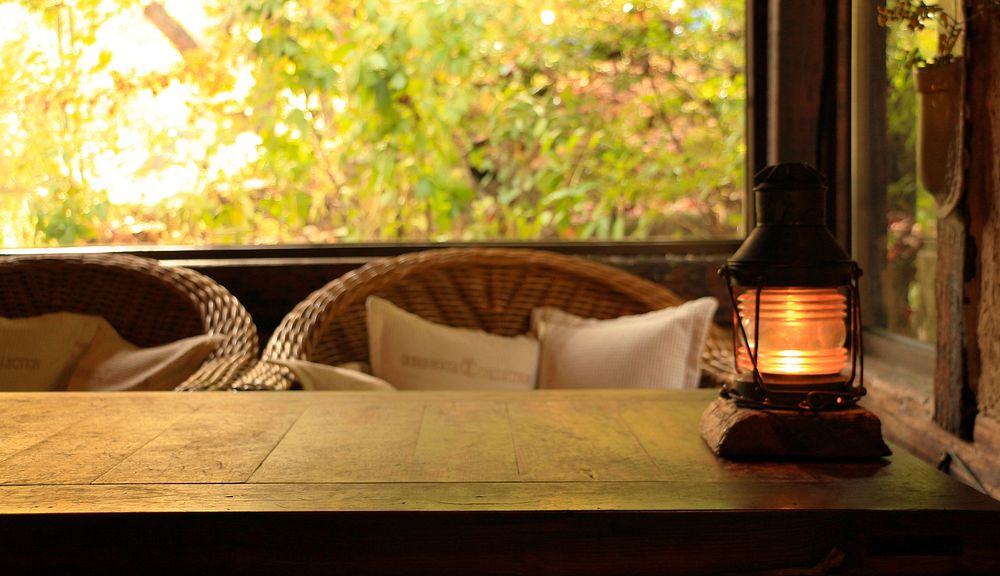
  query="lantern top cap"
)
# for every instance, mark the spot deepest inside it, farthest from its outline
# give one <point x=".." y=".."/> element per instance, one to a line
<point x="789" y="175"/>
<point x="791" y="245"/>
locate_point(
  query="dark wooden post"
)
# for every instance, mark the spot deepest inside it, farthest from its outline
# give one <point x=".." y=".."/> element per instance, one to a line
<point x="940" y="164"/>
<point x="809" y="76"/>
<point x="953" y="400"/>
<point x="868" y="233"/>
<point x="795" y="74"/>
<point x="982" y="145"/>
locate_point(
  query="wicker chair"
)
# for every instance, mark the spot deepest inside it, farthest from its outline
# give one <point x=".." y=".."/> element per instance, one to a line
<point x="148" y="304"/>
<point x="490" y="289"/>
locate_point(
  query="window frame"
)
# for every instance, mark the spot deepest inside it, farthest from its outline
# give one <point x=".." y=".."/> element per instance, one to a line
<point x="755" y="122"/>
<point x="770" y="26"/>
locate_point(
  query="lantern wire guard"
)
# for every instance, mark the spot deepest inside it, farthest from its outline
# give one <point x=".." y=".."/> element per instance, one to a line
<point x="818" y="394"/>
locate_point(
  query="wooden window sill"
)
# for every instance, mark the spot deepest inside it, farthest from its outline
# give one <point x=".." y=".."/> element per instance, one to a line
<point x="899" y="378"/>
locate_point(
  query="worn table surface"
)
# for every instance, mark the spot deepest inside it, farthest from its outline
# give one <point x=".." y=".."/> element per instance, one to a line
<point x="538" y="482"/>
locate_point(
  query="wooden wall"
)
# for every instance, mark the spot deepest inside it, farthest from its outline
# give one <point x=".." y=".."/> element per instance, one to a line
<point x="983" y="180"/>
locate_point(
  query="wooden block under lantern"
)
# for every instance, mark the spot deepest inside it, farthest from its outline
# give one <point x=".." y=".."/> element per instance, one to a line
<point x="735" y="432"/>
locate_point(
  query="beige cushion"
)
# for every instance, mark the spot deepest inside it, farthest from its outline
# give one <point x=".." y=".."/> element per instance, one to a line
<point x="40" y="352"/>
<point x="659" y="349"/>
<point x="111" y="363"/>
<point x="415" y="354"/>
<point x="314" y="376"/>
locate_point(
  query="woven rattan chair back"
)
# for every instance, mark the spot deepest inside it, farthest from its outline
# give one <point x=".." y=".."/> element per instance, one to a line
<point x="147" y="303"/>
<point x="491" y="289"/>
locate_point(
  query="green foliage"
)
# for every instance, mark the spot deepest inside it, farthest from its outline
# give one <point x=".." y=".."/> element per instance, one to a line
<point x="911" y="212"/>
<point x="901" y="137"/>
<point x="320" y="121"/>
<point x="916" y="16"/>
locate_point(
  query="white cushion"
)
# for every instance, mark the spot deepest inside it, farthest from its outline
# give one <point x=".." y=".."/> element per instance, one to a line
<point x="39" y="353"/>
<point x="416" y="354"/>
<point x="659" y="349"/>
<point x="111" y="363"/>
<point x="315" y="376"/>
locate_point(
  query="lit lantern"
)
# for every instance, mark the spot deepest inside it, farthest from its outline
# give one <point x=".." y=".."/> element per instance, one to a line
<point x="794" y="293"/>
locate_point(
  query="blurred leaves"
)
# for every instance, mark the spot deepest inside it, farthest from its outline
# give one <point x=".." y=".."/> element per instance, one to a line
<point x="393" y="120"/>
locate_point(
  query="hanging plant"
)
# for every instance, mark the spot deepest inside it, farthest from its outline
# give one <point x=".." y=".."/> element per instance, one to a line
<point x="914" y="15"/>
<point x="938" y="82"/>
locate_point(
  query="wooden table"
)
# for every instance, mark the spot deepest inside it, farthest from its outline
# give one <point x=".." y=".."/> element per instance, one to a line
<point x="439" y="483"/>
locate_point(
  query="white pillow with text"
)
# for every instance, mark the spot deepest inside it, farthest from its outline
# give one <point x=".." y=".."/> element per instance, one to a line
<point x="415" y="354"/>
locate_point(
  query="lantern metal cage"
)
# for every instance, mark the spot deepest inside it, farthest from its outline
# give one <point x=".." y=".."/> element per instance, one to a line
<point x="797" y="337"/>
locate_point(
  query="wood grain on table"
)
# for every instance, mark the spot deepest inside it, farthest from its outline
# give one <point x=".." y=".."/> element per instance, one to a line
<point x="620" y="479"/>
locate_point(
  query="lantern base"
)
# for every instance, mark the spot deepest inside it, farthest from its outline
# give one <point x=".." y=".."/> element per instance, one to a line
<point x="735" y="432"/>
<point x="832" y="392"/>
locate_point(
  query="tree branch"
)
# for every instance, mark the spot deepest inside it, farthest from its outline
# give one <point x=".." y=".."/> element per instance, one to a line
<point x="170" y="27"/>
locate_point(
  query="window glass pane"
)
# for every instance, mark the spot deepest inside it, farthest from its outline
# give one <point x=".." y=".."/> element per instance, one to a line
<point x="262" y="121"/>
<point x="910" y="213"/>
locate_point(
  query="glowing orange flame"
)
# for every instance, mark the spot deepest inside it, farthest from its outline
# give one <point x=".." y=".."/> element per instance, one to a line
<point x="802" y="331"/>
